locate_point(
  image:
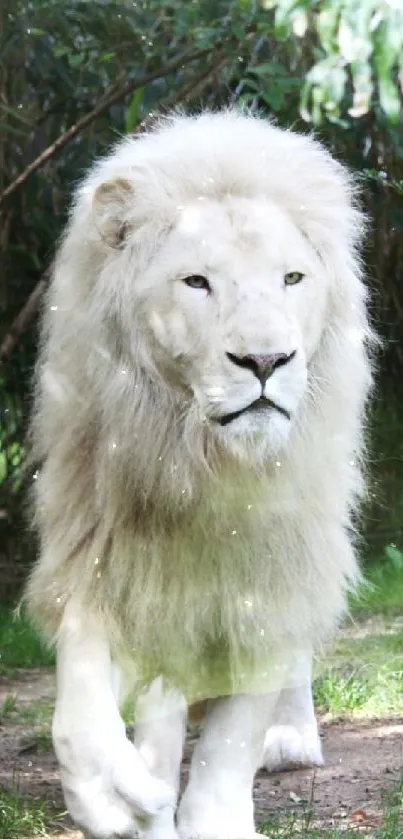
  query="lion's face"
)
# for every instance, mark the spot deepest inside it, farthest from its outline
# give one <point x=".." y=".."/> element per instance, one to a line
<point x="233" y="306"/>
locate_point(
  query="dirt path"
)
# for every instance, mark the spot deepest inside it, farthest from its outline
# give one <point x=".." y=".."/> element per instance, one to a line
<point x="362" y="759"/>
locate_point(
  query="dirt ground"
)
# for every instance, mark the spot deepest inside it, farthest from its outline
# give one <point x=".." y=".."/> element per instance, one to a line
<point x="363" y="758"/>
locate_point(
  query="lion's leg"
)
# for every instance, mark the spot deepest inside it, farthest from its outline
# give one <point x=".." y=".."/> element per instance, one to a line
<point x="106" y="782"/>
<point x="293" y="740"/>
<point x="217" y="803"/>
<point x="159" y="736"/>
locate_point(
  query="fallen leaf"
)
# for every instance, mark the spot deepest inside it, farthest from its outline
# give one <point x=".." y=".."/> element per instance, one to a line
<point x="359" y="816"/>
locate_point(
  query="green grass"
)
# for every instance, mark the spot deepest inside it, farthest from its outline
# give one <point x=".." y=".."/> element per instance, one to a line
<point x="38" y="714"/>
<point x="33" y="818"/>
<point x="9" y="709"/>
<point x="356" y="695"/>
<point x="303" y="822"/>
<point x="362" y="676"/>
<point x="383" y="591"/>
<point x="38" y="740"/>
<point x="20" y="817"/>
<point x="393" y="813"/>
<point x="20" y="645"/>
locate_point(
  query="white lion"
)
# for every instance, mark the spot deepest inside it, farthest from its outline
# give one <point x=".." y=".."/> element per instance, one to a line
<point x="199" y="420"/>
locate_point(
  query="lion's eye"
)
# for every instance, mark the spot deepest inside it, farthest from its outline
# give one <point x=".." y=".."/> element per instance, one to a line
<point x="197" y="281"/>
<point x="293" y="277"/>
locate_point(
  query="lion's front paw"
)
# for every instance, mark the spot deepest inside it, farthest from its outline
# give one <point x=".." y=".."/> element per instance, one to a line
<point x="112" y="794"/>
<point x="207" y="815"/>
<point x="288" y="747"/>
<point x="223" y="834"/>
<point x="161" y="826"/>
<point x="196" y="831"/>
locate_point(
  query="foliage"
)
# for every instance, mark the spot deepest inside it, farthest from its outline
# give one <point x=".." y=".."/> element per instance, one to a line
<point x="382" y="591"/>
<point x="365" y="691"/>
<point x="20" y="645"/>
<point x="362" y="674"/>
<point x="304" y="821"/>
<point x="19" y="817"/>
<point x="75" y="76"/>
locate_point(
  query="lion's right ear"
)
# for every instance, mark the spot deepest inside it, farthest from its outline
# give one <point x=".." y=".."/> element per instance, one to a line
<point x="111" y="205"/>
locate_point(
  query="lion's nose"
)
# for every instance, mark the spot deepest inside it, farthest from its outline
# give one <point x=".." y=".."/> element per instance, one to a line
<point x="261" y="365"/>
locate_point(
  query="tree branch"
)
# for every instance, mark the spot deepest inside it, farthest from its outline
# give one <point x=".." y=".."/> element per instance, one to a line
<point x="24" y="317"/>
<point x="30" y="308"/>
<point x="86" y="120"/>
<point x="190" y="91"/>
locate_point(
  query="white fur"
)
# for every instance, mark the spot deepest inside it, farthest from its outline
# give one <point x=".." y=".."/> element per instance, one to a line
<point x="211" y="557"/>
<point x="292" y="739"/>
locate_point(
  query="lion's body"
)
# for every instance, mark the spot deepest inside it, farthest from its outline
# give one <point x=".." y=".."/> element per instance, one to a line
<point x="198" y="548"/>
<point x="231" y="576"/>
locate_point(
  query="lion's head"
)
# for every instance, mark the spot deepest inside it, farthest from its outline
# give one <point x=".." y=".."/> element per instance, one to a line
<point x="207" y="298"/>
<point x="230" y="305"/>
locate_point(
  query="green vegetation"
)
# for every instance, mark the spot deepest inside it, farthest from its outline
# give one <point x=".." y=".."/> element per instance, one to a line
<point x="303" y="823"/>
<point x="38" y="714"/>
<point x="359" y="683"/>
<point x="20" y="645"/>
<point x="362" y="673"/>
<point x="383" y="591"/>
<point x="38" y="740"/>
<point x="21" y="818"/>
<point x="9" y="708"/>
<point x="32" y="818"/>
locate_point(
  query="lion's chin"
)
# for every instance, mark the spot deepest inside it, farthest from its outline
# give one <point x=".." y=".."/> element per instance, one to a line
<point x="260" y="435"/>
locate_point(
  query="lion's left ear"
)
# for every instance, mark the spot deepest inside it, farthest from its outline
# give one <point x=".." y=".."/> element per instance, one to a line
<point x="111" y="205"/>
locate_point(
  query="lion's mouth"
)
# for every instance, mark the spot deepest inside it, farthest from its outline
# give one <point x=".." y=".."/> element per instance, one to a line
<point x="259" y="405"/>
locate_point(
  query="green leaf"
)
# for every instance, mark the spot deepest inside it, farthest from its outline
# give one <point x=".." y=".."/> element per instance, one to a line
<point x="273" y="97"/>
<point x="304" y="108"/>
<point x="389" y="99"/>
<point x="239" y="32"/>
<point x="318" y="75"/>
<point x="268" y="68"/>
<point x="388" y="47"/>
<point x="394" y="556"/>
<point x="336" y="86"/>
<point x="134" y="110"/>
<point x="3" y="467"/>
<point x="247" y="97"/>
<point x="60" y="51"/>
<point x="318" y="96"/>
<point x="252" y="84"/>
<point x="107" y="56"/>
<point x="326" y="25"/>
<point x="282" y="31"/>
<point x="76" y="59"/>
<point x="361" y="73"/>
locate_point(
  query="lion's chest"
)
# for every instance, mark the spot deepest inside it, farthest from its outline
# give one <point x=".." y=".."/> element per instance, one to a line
<point x="195" y="603"/>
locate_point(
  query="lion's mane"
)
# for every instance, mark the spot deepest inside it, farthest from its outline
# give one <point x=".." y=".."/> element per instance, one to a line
<point x="162" y="552"/>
